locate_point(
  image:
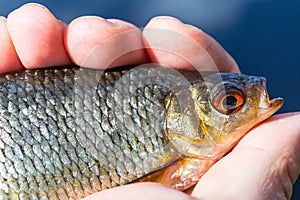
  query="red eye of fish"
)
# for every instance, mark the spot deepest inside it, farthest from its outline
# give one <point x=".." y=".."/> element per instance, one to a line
<point x="229" y="100"/>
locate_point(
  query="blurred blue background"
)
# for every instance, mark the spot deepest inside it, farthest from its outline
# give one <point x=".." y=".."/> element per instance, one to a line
<point x="262" y="35"/>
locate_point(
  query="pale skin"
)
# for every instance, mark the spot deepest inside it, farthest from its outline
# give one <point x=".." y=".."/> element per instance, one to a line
<point x="264" y="164"/>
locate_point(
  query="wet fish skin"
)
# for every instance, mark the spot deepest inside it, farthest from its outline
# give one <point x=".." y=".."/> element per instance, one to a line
<point x="67" y="133"/>
<point x="61" y="139"/>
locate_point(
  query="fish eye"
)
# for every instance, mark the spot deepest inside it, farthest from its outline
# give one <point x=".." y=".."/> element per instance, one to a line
<point x="228" y="100"/>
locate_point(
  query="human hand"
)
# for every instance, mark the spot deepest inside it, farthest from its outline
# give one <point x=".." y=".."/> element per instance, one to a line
<point x="263" y="165"/>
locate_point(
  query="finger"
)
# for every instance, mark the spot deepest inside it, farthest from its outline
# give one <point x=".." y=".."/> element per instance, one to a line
<point x="141" y="191"/>
<point x="9" y="59"/>
<point x="99" y="43"/>
<point x="37" y="36"/>
<point x="173" y="43"/>
<point x="264" y="164"/>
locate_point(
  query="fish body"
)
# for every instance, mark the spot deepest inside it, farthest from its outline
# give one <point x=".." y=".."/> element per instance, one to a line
<point x="70" y="132"/>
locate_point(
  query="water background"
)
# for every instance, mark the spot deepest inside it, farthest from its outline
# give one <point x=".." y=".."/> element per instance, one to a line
<point x="262" y="35"/>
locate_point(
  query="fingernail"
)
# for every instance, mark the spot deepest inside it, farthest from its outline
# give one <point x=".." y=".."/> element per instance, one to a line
<point x="117" y="22"/>
<point x="165" y="18"/>
<point x="35" y="4"/>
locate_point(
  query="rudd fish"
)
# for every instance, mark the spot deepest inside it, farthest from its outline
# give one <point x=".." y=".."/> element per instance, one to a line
<point x="69" y="132"/>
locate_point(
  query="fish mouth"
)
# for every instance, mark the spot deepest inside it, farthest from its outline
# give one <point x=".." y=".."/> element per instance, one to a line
<point x="268" y="107"/>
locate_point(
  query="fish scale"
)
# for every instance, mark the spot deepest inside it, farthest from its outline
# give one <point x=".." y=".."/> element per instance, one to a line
<point x="34" y="103"/>
<point x="69" y="132"/>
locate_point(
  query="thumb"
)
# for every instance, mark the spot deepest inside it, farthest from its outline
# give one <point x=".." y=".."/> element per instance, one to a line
<point x="264" y="165"/>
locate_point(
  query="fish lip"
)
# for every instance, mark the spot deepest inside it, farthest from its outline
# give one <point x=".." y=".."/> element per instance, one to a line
<point x="268" y="107"/>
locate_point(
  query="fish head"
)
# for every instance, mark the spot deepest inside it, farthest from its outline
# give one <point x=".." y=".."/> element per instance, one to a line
<point x="209" y="118"/>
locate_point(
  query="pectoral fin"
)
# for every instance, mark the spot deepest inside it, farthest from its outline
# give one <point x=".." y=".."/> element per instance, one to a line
<point x="181" y="174"/>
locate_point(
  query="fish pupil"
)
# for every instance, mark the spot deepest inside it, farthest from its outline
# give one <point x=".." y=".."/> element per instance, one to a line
<point x="229" y="102"/>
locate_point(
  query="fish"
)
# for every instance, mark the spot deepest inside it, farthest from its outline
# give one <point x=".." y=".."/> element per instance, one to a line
<point x="68" y="132"/>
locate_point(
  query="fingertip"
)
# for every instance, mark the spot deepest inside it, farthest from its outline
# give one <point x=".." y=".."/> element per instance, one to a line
<point x="171" y="42"/>
<point x="162" y="37"/>
<point x="10" y="61"/>
<point x="99" y="43"/>
<point x="279" y="135"/>
<point x="37" y="36"/>
<point x="223" y="60"/>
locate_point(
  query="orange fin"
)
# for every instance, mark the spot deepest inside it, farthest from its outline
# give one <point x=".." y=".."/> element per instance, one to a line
<point x="181" y="174"/>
